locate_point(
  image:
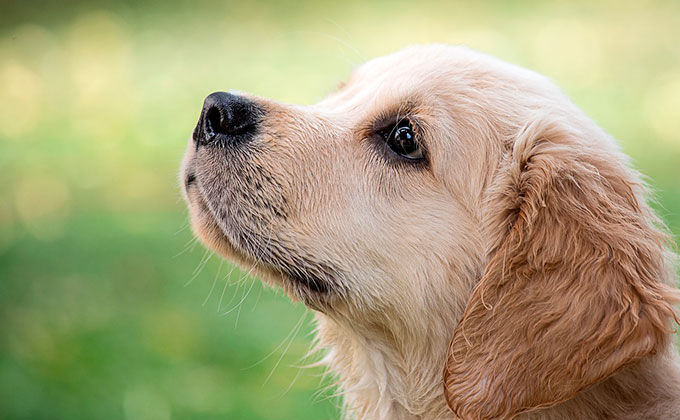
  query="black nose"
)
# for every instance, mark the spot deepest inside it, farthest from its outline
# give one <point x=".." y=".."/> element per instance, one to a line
<point x="227" y="119"/>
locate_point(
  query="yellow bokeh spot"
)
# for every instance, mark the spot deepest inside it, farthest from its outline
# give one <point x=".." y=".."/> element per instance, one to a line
<point x="662" y="109"/>
<point x="43" y="204"/>
<point x="100" y="57"/>
<point x="570" y="49"/>
<point x="20" y="99"/>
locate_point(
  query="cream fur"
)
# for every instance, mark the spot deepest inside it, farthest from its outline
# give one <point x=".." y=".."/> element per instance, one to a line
<point x="526" y="237"/>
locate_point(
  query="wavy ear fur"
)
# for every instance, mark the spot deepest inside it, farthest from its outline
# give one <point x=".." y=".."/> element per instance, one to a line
<point x="574" y="288"/>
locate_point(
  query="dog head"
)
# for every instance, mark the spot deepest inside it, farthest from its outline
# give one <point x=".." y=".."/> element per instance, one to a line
<point x="442" y="193"/>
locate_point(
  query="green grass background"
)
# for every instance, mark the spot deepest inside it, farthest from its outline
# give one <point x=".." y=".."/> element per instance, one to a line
<point x="108" y="310"/>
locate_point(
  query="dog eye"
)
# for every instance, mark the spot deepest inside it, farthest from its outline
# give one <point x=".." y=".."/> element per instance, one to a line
<point x="402" y="140"/>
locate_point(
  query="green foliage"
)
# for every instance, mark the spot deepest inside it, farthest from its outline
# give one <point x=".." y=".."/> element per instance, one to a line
<point x="101" y="313"/>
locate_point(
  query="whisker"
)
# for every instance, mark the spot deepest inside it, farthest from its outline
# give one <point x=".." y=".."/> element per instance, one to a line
<point x="271" y="353"/>
<point x="297" y="375"/>
<point x="201" y="265"/>
<point x="190" y="244"/>
<point x="257" y="300"/>
<point x="340" y="41"/>
<point x="219" y="270"/>
<point x="184" y="226"/>
<point x="245" y="295"/>
<point x="290" y="342"/>
<point x="240" y="305"/>
<point x="345" y="43"/>
<point x="224" y="289"/>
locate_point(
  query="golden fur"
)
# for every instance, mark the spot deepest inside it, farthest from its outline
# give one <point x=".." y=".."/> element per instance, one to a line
<point x="521" y="259"/>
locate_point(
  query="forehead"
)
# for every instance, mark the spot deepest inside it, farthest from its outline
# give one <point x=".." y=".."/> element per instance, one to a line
<point x="410" y="72"/>
<point x="426" y="73"/>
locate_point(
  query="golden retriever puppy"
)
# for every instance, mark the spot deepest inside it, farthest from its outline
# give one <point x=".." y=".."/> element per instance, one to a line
<point x="473" y="245"/>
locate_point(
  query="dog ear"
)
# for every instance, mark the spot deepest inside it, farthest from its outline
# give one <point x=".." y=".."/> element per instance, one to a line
<point x="574" y="286"/>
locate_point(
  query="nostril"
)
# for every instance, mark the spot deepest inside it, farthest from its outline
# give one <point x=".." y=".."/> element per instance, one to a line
<point x="227" y="119"/>
<point x="215" y="124"/>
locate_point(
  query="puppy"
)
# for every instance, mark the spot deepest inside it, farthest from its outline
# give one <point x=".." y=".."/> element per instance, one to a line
<point x="473" y="245"/>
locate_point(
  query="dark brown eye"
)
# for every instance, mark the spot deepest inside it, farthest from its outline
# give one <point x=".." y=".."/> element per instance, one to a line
<point x="402" y="140"/>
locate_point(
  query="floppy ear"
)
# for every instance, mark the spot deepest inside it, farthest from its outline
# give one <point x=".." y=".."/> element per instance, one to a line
<point x="574" y="286"/>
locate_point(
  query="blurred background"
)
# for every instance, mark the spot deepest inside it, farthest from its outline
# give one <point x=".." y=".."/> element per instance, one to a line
<point x="108" y="308"/>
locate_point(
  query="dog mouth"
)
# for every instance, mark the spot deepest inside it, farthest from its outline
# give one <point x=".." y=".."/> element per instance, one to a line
<point x="274" y="259"/>
<point x="241" y="207"/>
<point x="189" y="180"/>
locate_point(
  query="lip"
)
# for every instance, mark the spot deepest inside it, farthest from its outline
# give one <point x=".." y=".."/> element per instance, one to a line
<point x="311" y="277"/>
<point x="189" y="180"/>
<point x="303" y="277"/>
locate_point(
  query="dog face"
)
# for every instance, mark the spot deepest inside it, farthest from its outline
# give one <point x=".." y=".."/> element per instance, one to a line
<point x="319" y="200"/>
<point x="440" y="193"/>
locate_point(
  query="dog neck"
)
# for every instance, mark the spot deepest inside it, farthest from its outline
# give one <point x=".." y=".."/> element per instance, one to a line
<point x="381" y="378"/>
